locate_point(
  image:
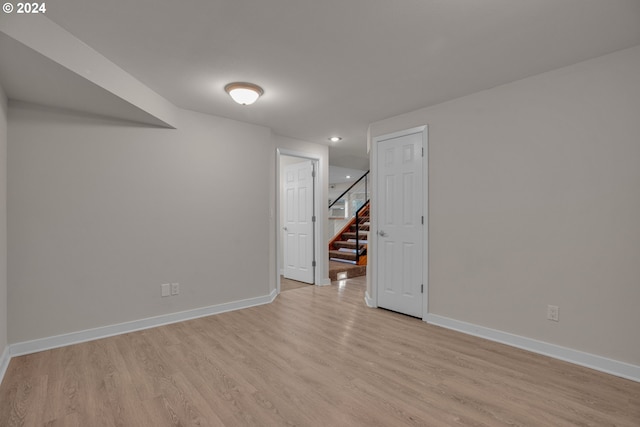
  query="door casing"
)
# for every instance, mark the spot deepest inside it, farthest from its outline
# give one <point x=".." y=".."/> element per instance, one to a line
<point x="320" y="252"/>
<point x="371" y="296"/>
<point x="298" y="252"/>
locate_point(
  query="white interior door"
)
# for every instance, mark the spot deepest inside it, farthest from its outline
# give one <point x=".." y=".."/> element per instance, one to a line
<point x="298" y="223"/>
<point x="399" y="259"/>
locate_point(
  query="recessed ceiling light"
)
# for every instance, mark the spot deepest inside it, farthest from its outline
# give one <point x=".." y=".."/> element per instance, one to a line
<point x="335" y="139"/>
<point x="244" y="93"/>
<point x="348" y="176"/>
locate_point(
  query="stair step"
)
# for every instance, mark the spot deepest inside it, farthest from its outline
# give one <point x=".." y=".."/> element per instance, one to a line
<point x="351" y="256"/>
<point x="344" y="244"/>
<point x="352" y="235"/>
<point x="364" y="227"/>
<point x="342" y="260"/>
<point x="361" y="241"/>
<point x="342" y="270"/>
<point x="351" y="251"/>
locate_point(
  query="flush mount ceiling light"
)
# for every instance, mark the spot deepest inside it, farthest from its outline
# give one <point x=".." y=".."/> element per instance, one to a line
<point x="335" y="139"/>
<point x="244" y="93"/>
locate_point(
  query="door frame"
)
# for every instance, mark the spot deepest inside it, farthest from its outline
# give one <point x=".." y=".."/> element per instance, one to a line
<point x="301" y="173"/>
<point x="317" y="227"/>
<point x="372" y="299"/>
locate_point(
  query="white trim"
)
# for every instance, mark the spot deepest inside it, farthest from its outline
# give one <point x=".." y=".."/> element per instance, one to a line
<point x="321" y="249"/>
<point x="425" y="211"/>
<point x="27" y="347"/>
<point x="324" y="282"/>
<point x="4" y="362"/>
<point x="400" y="133"/>
<point x="369" y="301"/>
<point x="372" y="249"/>
<point x="599" y="363"/>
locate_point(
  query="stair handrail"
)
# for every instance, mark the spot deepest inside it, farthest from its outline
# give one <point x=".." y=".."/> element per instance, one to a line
<point x="358" y="231"/>
<point x="349" y="189"/>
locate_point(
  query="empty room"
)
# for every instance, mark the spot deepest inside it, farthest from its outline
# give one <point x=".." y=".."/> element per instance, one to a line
<point x="320" y="213"/>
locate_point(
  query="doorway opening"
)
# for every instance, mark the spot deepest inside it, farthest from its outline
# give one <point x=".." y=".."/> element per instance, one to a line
<point x="297" y="219"/>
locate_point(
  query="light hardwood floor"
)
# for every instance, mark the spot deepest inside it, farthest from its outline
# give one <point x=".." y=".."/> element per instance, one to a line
<point x="315" y="357"/>
<point x="288" y="284"/>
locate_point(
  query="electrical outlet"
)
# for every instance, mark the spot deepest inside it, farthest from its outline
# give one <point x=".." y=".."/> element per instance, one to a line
<point x="165" y="289"/>
<point x="553" y="313"/>
<point x="175" y="288"/>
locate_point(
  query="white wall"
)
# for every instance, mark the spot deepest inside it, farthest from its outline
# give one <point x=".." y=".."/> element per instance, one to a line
<point x="534" y="199"/>
<point x="3" y="223"/>
<point x="102" y="212"/>
<point x="338" y="189"/>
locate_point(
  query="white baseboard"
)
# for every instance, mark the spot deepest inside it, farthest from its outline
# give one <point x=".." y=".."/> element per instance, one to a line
<point x="368" y="300"/>
<point x="599" y="363"/>
<point x="4" y="362"/>
<point x="27" y="347"/>
<point x="324" y="282"/>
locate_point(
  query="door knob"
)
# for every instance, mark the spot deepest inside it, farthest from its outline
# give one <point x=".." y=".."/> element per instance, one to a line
<point x="381" y="233"/>
<point x="285" y="228"/>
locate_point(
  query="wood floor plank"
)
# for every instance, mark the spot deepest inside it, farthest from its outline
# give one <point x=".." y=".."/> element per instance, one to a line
<point x="315" y="356"/>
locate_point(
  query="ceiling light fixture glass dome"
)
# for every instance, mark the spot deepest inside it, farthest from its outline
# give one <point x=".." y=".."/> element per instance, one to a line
<point x="244" y="93"/>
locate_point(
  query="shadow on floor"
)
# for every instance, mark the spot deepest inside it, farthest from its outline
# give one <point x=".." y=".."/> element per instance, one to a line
<point x="288" y="284"/>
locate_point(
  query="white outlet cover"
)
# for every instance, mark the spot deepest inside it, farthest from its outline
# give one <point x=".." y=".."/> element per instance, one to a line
<point x="175" y="288"/>
<point x="166" y="289"/>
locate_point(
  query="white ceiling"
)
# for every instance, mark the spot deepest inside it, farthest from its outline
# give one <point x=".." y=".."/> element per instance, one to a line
<point x="331" y="67"/>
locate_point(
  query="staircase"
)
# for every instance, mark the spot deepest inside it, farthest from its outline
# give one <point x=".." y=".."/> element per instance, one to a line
<point x="348" y="249"/>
